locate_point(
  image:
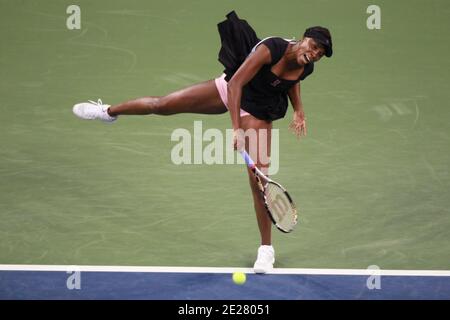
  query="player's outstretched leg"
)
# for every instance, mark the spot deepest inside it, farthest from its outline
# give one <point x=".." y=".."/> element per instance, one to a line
<point x="200" y="98"/>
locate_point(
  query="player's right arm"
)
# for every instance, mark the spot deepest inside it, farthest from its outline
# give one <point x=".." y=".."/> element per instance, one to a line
<point x="243" y="75"/>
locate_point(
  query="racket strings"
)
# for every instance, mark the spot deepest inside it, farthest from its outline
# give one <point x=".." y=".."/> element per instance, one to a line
<point x="282" y="209"/>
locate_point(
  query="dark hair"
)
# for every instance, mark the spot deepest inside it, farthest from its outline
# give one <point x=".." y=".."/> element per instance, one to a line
<point x="322" y="36"/>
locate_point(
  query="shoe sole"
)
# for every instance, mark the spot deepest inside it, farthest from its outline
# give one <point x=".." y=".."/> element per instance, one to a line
<point x="263" y="270"/>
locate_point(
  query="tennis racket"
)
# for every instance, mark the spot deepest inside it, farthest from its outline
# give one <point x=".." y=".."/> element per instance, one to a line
<point x="279" y="205"/>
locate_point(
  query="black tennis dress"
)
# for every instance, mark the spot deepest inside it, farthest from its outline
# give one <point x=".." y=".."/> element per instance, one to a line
<point x="266" y="95"/>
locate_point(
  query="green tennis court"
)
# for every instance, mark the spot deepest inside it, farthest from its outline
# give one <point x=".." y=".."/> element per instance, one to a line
<point x="371" y="179"/>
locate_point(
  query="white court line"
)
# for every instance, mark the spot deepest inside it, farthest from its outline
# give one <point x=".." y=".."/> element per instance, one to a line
<point x="66" y="268"/>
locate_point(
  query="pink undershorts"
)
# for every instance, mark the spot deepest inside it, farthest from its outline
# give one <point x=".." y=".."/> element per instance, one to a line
<point x="221" y="85"/>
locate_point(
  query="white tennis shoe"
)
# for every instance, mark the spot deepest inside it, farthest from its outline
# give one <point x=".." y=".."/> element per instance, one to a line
<point x="265" y="260"/>
<point x="93" y="110"/>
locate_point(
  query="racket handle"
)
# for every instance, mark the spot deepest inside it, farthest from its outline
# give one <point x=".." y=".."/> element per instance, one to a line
<point x="247" y="159"/>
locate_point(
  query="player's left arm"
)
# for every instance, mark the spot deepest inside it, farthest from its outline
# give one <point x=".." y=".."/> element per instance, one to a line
<point x="298" y="124"/>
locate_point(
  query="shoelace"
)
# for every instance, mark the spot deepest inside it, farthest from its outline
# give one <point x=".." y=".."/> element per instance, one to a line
<point x="98" y="103"/>
<point x="92" y="113"/>
<point x="103" y="108"/>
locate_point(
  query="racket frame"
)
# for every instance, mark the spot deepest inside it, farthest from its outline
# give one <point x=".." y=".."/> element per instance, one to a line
<point x="259" y="175"/>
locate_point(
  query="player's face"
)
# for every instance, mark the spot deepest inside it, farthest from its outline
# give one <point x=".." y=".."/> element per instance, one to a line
<point x="309" y="51"/>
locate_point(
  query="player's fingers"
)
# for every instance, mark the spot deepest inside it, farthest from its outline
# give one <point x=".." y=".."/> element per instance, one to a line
<point x="240" y="143"/>
<point x="298" y="132"/>
<point x="292" y="125"/>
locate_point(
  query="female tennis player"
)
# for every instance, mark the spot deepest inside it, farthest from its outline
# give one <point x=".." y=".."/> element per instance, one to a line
<point x="258" y="78"/>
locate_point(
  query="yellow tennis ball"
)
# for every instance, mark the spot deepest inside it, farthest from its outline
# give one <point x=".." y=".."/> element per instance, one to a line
<point x="239" y="278"/>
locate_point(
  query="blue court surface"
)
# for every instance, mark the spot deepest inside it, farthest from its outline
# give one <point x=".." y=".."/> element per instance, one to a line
<point x="178" y="283"/>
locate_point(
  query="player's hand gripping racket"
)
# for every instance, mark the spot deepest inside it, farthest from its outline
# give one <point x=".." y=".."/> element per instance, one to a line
<point x="278" y="202"/>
